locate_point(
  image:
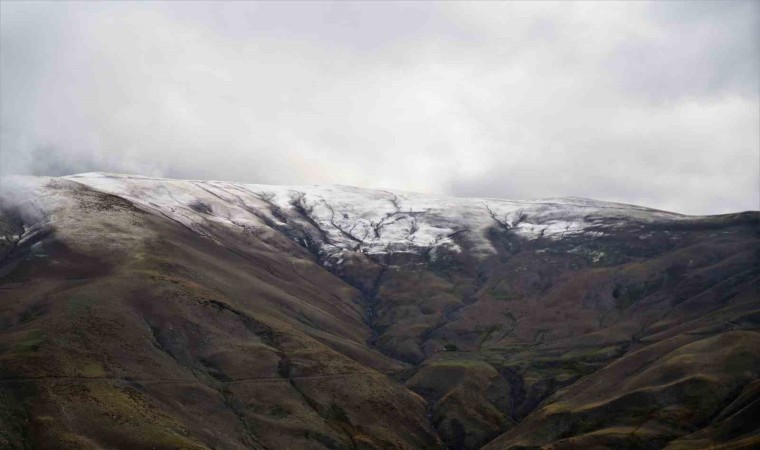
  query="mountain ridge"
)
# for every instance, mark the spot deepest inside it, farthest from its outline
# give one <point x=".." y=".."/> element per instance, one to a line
<point x="473" y="322"/>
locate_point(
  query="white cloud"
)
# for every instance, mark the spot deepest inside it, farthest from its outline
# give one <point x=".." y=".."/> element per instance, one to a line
<point x="646" y="103"/>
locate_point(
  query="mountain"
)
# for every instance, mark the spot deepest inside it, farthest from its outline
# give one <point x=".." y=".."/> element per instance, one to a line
<point x="139" y="312"/>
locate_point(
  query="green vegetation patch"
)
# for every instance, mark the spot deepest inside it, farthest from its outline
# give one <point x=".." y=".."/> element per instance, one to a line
<point x="336" y="413"/>
<point x="79" y="304"/>
<point x="592" y="354"/>
<point x="30" y="343"/>
<point x="279" y="412"/>
<point x="486" y="334"/>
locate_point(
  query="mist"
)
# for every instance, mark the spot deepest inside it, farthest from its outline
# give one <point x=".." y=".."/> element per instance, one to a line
<point x="656" y="104"/>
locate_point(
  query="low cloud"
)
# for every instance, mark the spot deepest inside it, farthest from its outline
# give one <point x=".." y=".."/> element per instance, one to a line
<point x="648" y="103"/>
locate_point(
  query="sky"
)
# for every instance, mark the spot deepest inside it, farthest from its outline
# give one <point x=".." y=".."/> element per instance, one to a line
<point x="656" y="104"/>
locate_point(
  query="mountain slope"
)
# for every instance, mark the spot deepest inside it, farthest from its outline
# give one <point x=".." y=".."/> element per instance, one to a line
<point x="154" y="313"/>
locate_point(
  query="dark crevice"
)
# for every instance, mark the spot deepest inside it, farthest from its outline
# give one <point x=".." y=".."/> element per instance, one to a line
<point x="370" y="299"/>
<point x="340" y="427"/>
<point x="249" y="438"/>
<point x="348" y="234"/>
<point x="298" y="202"/>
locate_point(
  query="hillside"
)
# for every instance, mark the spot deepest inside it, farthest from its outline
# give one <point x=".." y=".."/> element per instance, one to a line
<point x="139" y="312"/>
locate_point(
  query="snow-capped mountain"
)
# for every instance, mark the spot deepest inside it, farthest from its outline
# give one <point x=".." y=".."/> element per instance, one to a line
<point x="348" y="219"/>
<point x="141" y="312"/>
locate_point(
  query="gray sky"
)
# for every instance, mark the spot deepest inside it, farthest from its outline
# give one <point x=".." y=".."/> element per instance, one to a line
<point x="655" y="104"/>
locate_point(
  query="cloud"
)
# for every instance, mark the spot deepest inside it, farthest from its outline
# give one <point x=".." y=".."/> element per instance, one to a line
<point x="648" y="103"/>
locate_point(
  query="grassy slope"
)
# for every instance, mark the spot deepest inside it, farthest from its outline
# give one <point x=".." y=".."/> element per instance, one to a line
<point x="545" y="315"/>
<point x="123" y="329"/>
<point x="128" y="331"/>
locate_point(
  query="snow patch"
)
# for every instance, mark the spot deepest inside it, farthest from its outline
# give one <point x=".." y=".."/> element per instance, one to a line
<point x="365" y="220"/>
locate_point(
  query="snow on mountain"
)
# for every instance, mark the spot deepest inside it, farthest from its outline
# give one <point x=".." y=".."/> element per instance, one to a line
<point x="344" y="218"/>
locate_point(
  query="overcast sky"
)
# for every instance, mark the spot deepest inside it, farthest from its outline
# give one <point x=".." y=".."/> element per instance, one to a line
<point x="655" y="104"/>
